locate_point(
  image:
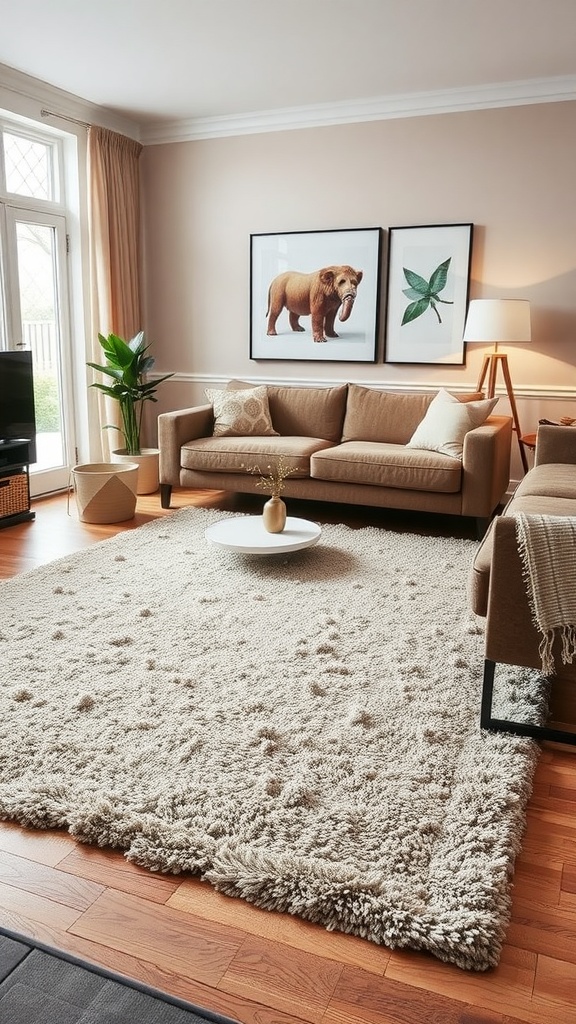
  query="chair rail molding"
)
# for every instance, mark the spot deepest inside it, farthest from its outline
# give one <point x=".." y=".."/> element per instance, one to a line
<point x="527" y="391"/>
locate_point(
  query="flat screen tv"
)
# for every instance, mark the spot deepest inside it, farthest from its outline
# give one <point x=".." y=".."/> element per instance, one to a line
<point x="17" y="413"/>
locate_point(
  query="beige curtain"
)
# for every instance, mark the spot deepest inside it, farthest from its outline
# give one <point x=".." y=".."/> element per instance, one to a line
<point x="114" y="221"/>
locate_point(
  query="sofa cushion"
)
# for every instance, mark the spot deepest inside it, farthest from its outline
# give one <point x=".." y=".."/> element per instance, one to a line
<point x="239" y="454"/>
<point x="376" y="415"/>
<point x="446" y="423"/>
<point x="308" y="412"/>
<point x="554" y="480"/>
<point x="387" y="465"/>
<point x="241" y="413"/>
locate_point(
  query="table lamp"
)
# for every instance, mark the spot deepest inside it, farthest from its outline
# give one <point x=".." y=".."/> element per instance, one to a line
<point x="496" y="321"/>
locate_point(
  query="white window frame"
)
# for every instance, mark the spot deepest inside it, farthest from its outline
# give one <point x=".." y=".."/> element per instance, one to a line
<point x="54" y="213"/>
<point x="54" y="144"/>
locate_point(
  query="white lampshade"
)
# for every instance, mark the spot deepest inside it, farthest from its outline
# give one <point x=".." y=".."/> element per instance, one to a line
<point x="494" y="320"/>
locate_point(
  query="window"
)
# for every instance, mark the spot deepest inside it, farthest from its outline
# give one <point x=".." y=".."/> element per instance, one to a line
<point x="29" y="167"/>
<point x="34" y="313"/>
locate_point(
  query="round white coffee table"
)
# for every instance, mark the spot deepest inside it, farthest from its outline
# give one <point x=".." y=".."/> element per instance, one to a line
<point x="247" y="535"/>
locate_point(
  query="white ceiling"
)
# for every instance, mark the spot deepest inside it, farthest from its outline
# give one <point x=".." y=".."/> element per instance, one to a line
<point x="167" y="60"/>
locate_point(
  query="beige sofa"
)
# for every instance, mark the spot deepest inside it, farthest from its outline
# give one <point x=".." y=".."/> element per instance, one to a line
<point x="346" y="444"/>
<point x="498" y="589"/>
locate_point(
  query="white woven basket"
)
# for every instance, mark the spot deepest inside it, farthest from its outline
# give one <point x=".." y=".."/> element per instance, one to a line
<point x="105" y="491"/>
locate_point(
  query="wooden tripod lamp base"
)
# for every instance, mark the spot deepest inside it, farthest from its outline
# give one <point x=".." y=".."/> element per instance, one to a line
<point x="488" y="322"/>
<point x="490" y="368"/>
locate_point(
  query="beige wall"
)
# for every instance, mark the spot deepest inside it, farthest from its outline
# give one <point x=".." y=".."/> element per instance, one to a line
<point x="509" y="171"/>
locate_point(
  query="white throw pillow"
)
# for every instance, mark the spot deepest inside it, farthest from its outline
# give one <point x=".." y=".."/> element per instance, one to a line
<point x="447" y="422"/>
<point x="241" y="413"/>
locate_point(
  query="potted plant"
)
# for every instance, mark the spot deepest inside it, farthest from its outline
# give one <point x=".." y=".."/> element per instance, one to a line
<point x="127" y="364"/>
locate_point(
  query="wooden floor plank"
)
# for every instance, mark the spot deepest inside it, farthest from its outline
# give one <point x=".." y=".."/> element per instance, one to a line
<point x="47" y="881"/>
<point x="301" y="982"/>
<point x="560" y="822"/>
<point x="544" y="930"/>
<point x="556" y="983"/>
<point x="545" y="843"/>
<point x="538" y="881"/>
<point x="16" y="903"/>
<point x="565" y="793"/>
<point x="568" y="903"/>
<point x="110" y="868"/>
<point x="166" y="937"/>
<point x="569" y="878"/>
<point x="202" y="900"/>
<point x="560" y="806"/>
<point x="360" y="998"/>
<point x="506" y="989"/>
<point x="45" y="847"/>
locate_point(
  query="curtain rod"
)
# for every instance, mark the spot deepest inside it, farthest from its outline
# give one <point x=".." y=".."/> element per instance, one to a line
<point x="64" y="117"/>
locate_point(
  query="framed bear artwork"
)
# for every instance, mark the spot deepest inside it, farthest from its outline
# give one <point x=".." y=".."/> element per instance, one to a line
<point x="314" y="295"/>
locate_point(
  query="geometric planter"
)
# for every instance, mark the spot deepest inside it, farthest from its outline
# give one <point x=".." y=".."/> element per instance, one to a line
<point x="148" y="461"/>
<point x="105" y="492"/>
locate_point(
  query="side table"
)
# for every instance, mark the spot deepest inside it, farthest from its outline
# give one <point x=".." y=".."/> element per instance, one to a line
<point x="529" y="441"/>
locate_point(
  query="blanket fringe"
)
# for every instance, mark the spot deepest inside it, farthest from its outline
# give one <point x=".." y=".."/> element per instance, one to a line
<point x="568" y="644"/>
<point x="567" y="636"/>
<point x="545" y="652"/>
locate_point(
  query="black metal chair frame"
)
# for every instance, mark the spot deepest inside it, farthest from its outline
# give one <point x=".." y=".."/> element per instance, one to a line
<point x="537" y="732"/>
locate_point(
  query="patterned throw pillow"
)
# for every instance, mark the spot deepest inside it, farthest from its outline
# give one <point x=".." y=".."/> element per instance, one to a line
<point x="241" y="413"/>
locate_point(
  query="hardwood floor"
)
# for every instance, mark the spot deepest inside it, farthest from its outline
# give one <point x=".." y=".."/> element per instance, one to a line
<point x="178" y="934"/>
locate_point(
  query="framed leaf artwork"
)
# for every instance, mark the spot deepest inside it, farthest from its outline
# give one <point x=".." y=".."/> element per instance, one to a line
<point x="428" y="278"/>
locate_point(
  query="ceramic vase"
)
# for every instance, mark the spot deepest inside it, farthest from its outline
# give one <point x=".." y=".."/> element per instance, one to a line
<point x="274" y="515"/>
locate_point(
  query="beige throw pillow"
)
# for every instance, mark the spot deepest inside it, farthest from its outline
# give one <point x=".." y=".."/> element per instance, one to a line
<point x="241" y="413"/>
<point x="447" y="422"/>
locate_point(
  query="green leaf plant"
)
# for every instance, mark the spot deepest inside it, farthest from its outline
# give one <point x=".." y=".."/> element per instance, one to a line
<point x="425" y="293"/>
<point x="127" y="363"/>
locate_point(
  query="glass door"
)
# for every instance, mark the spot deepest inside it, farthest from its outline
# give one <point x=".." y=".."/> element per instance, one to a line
<point x="38" y="321"/>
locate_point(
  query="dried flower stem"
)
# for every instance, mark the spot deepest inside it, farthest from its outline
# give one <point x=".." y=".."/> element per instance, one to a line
<point x="273" y="480"/>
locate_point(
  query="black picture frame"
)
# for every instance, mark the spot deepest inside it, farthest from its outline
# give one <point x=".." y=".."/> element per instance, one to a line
<point x="307" y="254"/>
<point x="428" y="282"/>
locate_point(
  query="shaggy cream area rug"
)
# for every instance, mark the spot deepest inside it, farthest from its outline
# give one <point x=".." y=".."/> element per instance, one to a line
<point x="301" y="730"/>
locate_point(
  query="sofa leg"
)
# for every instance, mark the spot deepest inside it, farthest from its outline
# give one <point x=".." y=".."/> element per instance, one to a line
<point x="165" y="495"/>
<point x="487" y="692"/>
<point x="481" y="526"/>
<point x="537" y="732"/>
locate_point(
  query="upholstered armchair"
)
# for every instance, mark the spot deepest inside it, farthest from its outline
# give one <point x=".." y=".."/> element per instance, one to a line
<point x="498" y="588"/>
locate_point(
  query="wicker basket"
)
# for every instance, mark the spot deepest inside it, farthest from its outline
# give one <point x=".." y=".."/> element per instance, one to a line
<point x="105" y="491"/>
<point x="14" y="495"/>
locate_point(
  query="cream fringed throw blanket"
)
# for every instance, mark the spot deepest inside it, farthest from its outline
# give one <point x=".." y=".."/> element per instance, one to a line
<point x="547" y="546"/>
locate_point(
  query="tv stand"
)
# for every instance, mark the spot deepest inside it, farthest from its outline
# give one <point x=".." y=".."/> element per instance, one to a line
<point x="15" y="482"/>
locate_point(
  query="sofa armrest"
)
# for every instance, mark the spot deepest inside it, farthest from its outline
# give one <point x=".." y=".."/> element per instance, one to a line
<point x="486" y="466"/>
<point x="555" y="444"/>
<point x="174" y="429"/>
<point x="511" y="636"/>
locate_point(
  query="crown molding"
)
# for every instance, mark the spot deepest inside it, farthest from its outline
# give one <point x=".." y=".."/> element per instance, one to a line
<point x="32" y="95"/>
<point x="37" y="94"/>
<point x="379" y="108"/>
